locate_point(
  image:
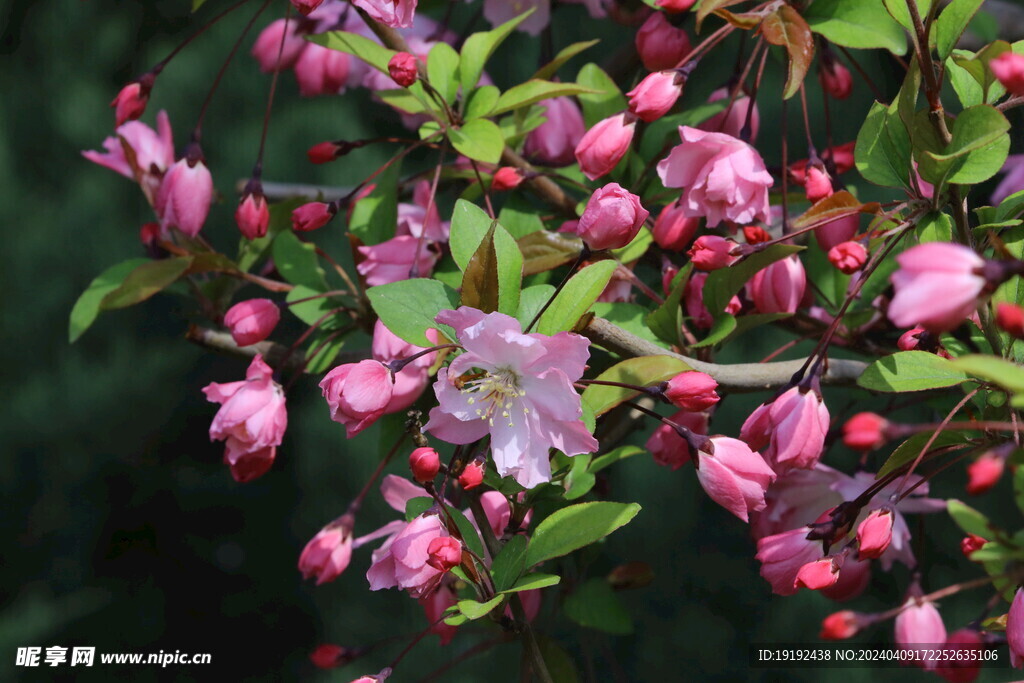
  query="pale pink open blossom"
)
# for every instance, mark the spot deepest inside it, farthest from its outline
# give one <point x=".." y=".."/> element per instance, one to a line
<point x="612" y="219"/>
<point x="357" y="394"/>
<point x="673" y="230"/>
<point x="734" y="476"/>
<point x="403" y="560"/>
<point x="789" y="431"/>
<point x="1009" y="69"/>
<point x="780" y="287"/>
<point x="937" y="286"/>
<point x="185" y="194"/>
<point x="920" y="624"/>
<point x="516" y="387"/>
<point x="660" y="44"/>
<point x="399" y="258"/>
<point x="1015" y="629"/>
<point x="412" y="380"/>
<point x="668" y="448"/>
<point x="1013" y="180"/>
<point x="393" y="13"/>
<point x="553" y="142"/>
<point x="602" y="147"/>
<point x="153" y="150"/>
<point x="655" y="95"/>
<point x="328" y="553"/>
<point x="723" y="178"/>
<point x="252" y="320"/>
<point x="732" y="119"/>
<point x="268" y="44"/>
<point x="783" y="555"/>
<point x="415" y="219"/>
<point x="796" y="499"/>
<point x="251" y="421"/>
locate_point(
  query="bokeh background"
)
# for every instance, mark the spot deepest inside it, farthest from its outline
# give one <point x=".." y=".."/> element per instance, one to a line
<point x="122" y="529"/>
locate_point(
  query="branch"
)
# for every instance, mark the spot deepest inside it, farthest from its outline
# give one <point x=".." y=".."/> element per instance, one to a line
<point x="276" y="355"/>
<point x="278" y="191"/>
<point x="736" y="378"/>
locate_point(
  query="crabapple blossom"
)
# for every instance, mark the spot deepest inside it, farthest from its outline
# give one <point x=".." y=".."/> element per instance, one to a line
<point x="186" y="193"/>
<point x="875" y="534"/>
<point x="312" y="216"/>
<point x="841" y="625"/>
<point x="920" y="624"/>
<point x="985" y="472"/>
<point x="443" y="553"/>
<point x="780" y="287"/>
<point x="1013" y="180"/>
<point x="399" y="258"/>
<point x="937" y="286"/>
<point x="516" y="387"/>
<point x="654" y="96"/>
<point x="819" y="574"/>
<point x="970" y="543"/>
<point x="472" y="475"/>
<point x="835" y="79"/>
<point x="268" y="45"/>
<point x="1010" y="319"/>
<point x="865" y="432"/>
<point x="413" y="378"/>
<point x="612" y="219"/>
<point x="1009" y="69"/>
<point x="253" y="215"/>
<point x="554" y="142"/>
<point x="692" y="390"/>
<point x="836" y="232"/>
<point x="424" y="463"/>
<point x="672" y="6"/>
<point x="403" y="561"/>
<point x="782" y="556"/>
<point x="402" y="69"/>
<point x="667" y="447"/>
<point x="818" y="185"/>
<point x="328" y="554"/>
<point x="790" y="431"/>
<point x="693" y="298"/>
<point x="660" y="44"/>
<point x="711" y="252"/>
<point x="964" y="663"/>
<point x="305" y="7"/>
<point x="1015" y="629"/>
<point x="252" y="320"/>
<point x="734" y="118"/>
<point x="506" y="178"/>
<point x="321" y="71"/>
<point x="673" y="230"/>
<point x="734" y="476"/>
<point x="328" y="656"/>
<point x="848" y="257"/>
<point x="358" y="394"/>
<point x="434" y="605"/>
<point x="153" y="151"/>
<point x="602" y="147"/>
<point x="130" y="102"/>
<point x="393" y="13"/>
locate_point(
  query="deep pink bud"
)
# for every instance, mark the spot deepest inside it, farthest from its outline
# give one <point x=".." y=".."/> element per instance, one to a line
<point x="835" y="79"/>
<point x="444" y="552"/>
<point x="782" y="556"/>
<point x="848" y="257"/>
<point x="425" y="464"/>
<point x="937" y="286"/>
<point x="970" y="543"/>
<point x="734" y="118"/>
<point x="328" y="554"/>
<point x="506" y="178"/>
<point x="734" y="476"/>
<point x="252" y="320"/>
<point x="149" y="233"/>
<point x="312" y="216"/>
<point x="130" y="103"/>
<point x="780" y="287"/>
<point x="660" y="44"/>
<point x="379" y="678"/>
<point x="1010" y="319"/>
<point x="756" y="235"/>
<point x="472" y="475"/>
<point x="818" y="185"/>
<point x="402" y="68"/>
<point x="874" y="534"/>
<point x="865" y="432"/>
<point x="790" y="431"/>
<point x="329" y="656"/>
<point x="604" y="145"/>
<point x="818" y="574"/>
<point x="306" y="6"/>
<point x="668" y="274"/>
<point x="186" y="193"/>
<point x="654" y="96"/>
<point x="693" y="298"/>
<point x="612" y="219"/>
<point x="836" y="232"/>
<point x="1009" y="69"/>
<point x="673" y="230"/>
<point x="920" y="624"/>
<point x="667" y="448"/>
<point x="268" y="44"/>
<point x="841" y="625"/>
<point x="323" y="152"/>
<point x="253" y="215"/>
<point x="711" y="252"/>
<point x="692" y="390"/>
<point x="910" y="339"/>
<point x="985" y="472"/>
<point x="357" y="394"/>
<point x="675" y="6"/>
<point x="965" y="667"/>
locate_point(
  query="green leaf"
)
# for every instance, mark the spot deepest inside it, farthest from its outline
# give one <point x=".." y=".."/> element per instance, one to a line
<point x="311" y="311"/>
<point x="576" y="526"/>
<point x="723" y="284"/>
<point x="595" y="605"/>
<point x="519" y="216"/>
<point x="492" y="278"/>
<point x="576" y="298"/>
<point x="370" y="51"/>
<point x="443" y="70"/>
<point x="531" y="300"/>
<point x="977" y="65"/>
<point x="977" y="151"/>
<point x="557" y="661"/>
<point x="636" y="248"/>
<point x="898" y="10"/>
<point x="478" y="139"/>
<point x="785" y="27"/>
<point x="580" y="479"/>
<point x="909" y="450"/>
<point x="882" y="151"/>
<point x="644" y="371"/>
<point x="470" y="536"/>
<point x="297" y="262"/>
<point x="196" y="4"/>
<point x="863" y="24"/>
<point x="414" y="507"/>
<point x="510" y="563"/>
<point x="87" y="307"/>
<point x="479" y="47"/>
<point x="470" y="224"/>
<point x="606" y="99"/>
<point x="967" y="88"/>
<point x="951" y="24"/>
<point x="481" y="101"/>
<point x="532" y="582"/>
<point x="722" y="327"/>
<point x="322" y="351"/>
<point x="563" y="56"/>
<point x="935" y="227"/>
<point x="911" y="371"/>
<point x="145" y="281"/>
<point x="544" y="250"/>
<point x="474" y="610"/>
<point x="534" y="91"/>
<point x="968" y="519"/>
<point x="404" y="99"/>
<point x="614" y="456"/>
<point x="375" y="215"/>
<point x="408" y="307"/>
<point x="666" y="320"/>
<point x="707" y="7"/>
<point x="999" y="371"/>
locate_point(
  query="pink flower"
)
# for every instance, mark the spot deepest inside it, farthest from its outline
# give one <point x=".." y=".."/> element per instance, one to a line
<point x="1012" y="182"/>
<point x="711" y="252"/>
<point x="519" y="390"/>
<point x="506" y="178"/>
<point x="393" y="13"/>
<point x="400" y="258"/>
<point x="252" y="320"/>
<point x="780" y="287"/>
<point x="424" y="463"/>
<point x="443" y="553"/>
<point x="251" y="420"/>
<point x="875" y="534"/>
<point x="434" y="606"/>
<point x="673" y="230"/>
<point x="790" y="431"/>
<point x="554" y="142"/>
<point x="693" y="297"/>
<point x="1010" y="319"/>
<point x="733" y="118"/>
<point x="328" y="656"/>
<point x="412" y="380"/>
<point x="328" y="554"/>
<point x="268" y="44"/>
<point x="668" y="448"/>
<point x="848" y="257"/>
<point x="416" y="220"/>
<point x="675" y="6"/>
<point x="819" y="574"/>
<point x="865" y="432"/>
<point x="734" y="476"/>
<point x="970" y="543"/>
<point x="402" y="69"/>
<point x="154" y="151"/>
<point x="817" y="184"/>
<point x="186" y="193"/>
<point x="835" y="79"/>
<point x="604" y="145"/>
<point x="937" y="286"/>
<point x="660" y="44"/>
<point x="612" y="219"/>
<point x="836" y="232"/>
<point x="472" y="475"/>
<point x="985" y="472"/>
<point x="131" y="101"/>
<point x="920" y="624"/>
<point x="962" y="668"/>
<point x="692" y="390"/>
<point x="1015" y="629"/>
<point x="654" y="96"/>
<point x="312" y="216"/>
<point x="723" y="178"/>
<point x="783" y="555"/>
<point x="357" y="394"/>
<point x="1009" y="69"/>
<point x="403" y="560"/>
<point x="841" y="625"/>
<point x="253" y="215"/>
<point x="306" y="6"/>
<point x="321" y="71"/>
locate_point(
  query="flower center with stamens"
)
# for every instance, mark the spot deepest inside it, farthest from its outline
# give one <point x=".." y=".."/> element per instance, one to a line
<point x="494" y="393"/>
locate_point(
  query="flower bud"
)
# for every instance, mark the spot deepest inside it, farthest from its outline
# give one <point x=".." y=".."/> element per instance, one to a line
<point x="131" y="102"/>
<point x="848" y="257"/>
<point x="253" y="215"/>
<point x="970" y="543"/>
<point x="836" y="232"/>
<point x="692" y="390"/>
<point x="865" y="432"/>
<point x="984" y="473"/>
<point x="425" y="464"/>
<point x="780" y="287"/>
<point x="443" y="553"/>
<point x="874" y="534"/>
<point x="402" y="68"/>
<point x="937" y="286"/>
<point x="1009" y="69"/>
<point x="668" y="274"/>
<point x="835" y="79"/>
<point x="1015" y="629"/>
<point x="711" y="252"/>
<point x="149" y="233"/>
<point x="323" y="152"/>
<point x="186" y="193"/>
<point x="329" y="656"/>
<point x="818" y="574"/>
<point x="604" y="145"/>
<point x="673" y="229"/>
<point x="321" y="71"/>
<point x="920" y="624"/>
<point x="506" y="178"/>
<point x="654" y="96"/>
<point x="357" y="394"/>
<point x="312" y="216"/>
<point x="612" y="219"/>
<point x="734" y="476"/>
<point x="756" y="235"/>
<point x="305" y="7"/>
<point x="660" y="44"/>
<point x="328" y="554"/>
<point x="818" y="185"/>
<point x="675" y="6"/>
<point x="472" y="475"/>
<point x="631" y="575"/>
<point x="252" y="320"/>
<point x="1010" y="319"/>
<point x="841" y="625"/>
<point x="268" y="45"/>
<point x="553" y="142"/>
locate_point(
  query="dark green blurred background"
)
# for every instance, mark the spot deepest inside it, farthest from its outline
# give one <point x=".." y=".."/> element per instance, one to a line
<point x="122" y="528"/>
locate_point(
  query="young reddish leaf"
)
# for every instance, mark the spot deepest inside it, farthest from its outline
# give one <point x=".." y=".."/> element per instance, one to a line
<point x="786" y="28"/>
<point x="543" y="250"/>
<point x="708" y="7"/>
<point x="480" y="281"/>
<point x="835" y="206"/>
